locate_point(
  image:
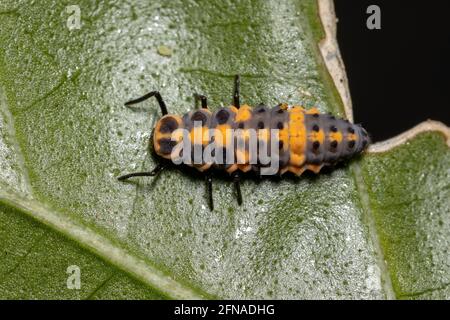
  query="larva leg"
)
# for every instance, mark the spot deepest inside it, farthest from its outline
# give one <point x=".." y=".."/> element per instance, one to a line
<point x="209" y="190"/>
<point x="203" y="100"/>
<point x="237" y="185"/>
<point x="155" y="94"/>
<point x="237" y="89"/>
<point x="154" y="172"/>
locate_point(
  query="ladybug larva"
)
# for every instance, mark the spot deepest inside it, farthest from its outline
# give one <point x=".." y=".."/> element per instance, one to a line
<point x="287" y="139"/>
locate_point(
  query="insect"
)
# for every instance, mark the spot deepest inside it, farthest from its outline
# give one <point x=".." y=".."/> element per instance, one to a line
<point x="305" y="139"/>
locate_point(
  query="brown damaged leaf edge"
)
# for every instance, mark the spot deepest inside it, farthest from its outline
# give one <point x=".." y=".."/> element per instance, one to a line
<point x="331" y="55"/>
<point x="402" y="138"/>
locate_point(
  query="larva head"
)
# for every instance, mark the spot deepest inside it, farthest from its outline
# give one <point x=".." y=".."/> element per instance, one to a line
<point x="163" y="140"/>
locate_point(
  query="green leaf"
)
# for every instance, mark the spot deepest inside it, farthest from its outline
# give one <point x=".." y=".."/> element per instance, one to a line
<point x="408" y="197"/>
<point x="377" y="228"/>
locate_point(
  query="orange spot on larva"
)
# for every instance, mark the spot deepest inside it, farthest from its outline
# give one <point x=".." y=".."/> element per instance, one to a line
<point x="244" y="113"/>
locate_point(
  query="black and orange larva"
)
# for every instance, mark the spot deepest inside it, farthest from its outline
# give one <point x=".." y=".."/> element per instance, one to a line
<point x="307" y="139"/>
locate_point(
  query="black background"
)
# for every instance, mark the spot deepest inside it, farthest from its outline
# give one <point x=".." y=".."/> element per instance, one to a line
<point x="399" y="76"/>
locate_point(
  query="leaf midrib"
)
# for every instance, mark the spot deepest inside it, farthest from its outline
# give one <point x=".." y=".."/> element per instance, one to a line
<point x="326" y="11"/>
<point x="369" y="221"/>
<point x="101" y="246"/>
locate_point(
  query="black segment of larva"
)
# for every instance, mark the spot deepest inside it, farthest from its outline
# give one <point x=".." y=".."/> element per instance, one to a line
<point x="199" y="116"/>
<point x="279" y="121"/>
<point x="351" y="144"/>
<point x="314" y="160"/>
<point x="331" y="149"/>
<point x="331" y="160"/>
<point x="261" y="108"/>
<point x="285" y="155"/>
<point x="200" y="159"/>
<point x="220" y="158"/>
<point x="194" y="117"/>
<point x="283" y="159"/>
<point x="166" y="145"/>
<point x="344" y="151"/>
<point x="168" y="125"/>
<point x="314" y="154"/>
<point x="259" y="119"/>
<point x="222" y="116"/>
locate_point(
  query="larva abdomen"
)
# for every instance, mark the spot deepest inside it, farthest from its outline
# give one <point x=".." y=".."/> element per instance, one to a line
<point x="306" y="138"/>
